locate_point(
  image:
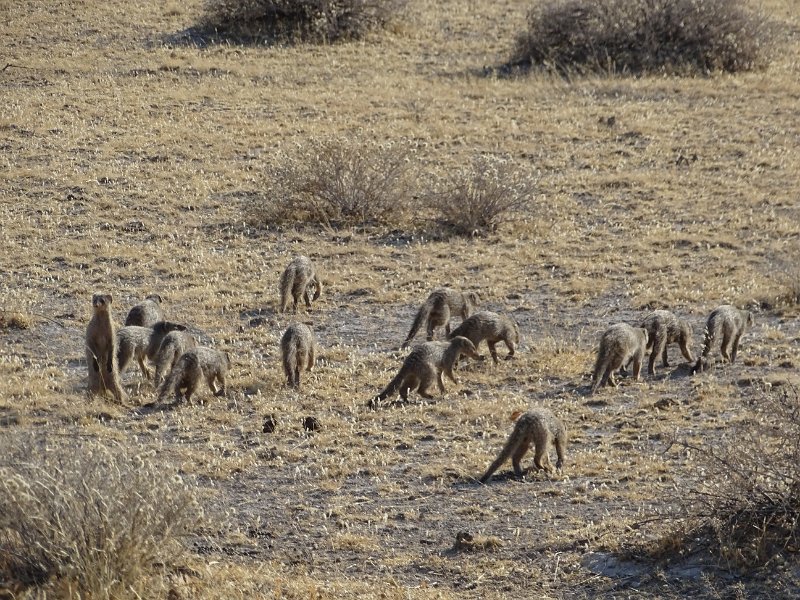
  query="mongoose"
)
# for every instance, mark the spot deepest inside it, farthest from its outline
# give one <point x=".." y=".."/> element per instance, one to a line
<point x="196" y="364"/>
<point x="101" y="349"/>
<point x="296" y="282"/>
<point x="620" y="344"/>
<point x="664" y="328"/>
<point x="733" y="323"/>
<point x="142" y="342"/>
<point x="298" y="350"/>
<point x="492" y="327"/>
<point x="539" y="427"/>
<point x="174" y="344"/>
<point x="424" y="365"/>
<point x="436" y="310"/>
<point x="147" y="313"/>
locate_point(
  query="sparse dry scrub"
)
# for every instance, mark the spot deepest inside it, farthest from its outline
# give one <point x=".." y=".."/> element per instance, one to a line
<point x="745" y="502"/>
<point x="477" y="199"/>
<point x="640" y="36"/>
<point x="90" y="519"/>
<point x="338" y="183"/>
<point x="323" y="21"/>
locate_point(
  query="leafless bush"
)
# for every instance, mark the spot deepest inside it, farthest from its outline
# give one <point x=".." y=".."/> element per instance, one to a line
<point x="338" y="183"/>
<point x="298" y="20"/>
<point x="95" y="517"/>
<point x="745" y="502"/>
<point x="478" y="198"/>
<point x="684" y="36"/>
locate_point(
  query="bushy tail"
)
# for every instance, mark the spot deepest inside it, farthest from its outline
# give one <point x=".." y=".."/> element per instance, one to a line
<point x="290" y="362"/>
<point x="600" y="367"/>
<point x="318" y="283"/>
<point x="422" y="316"/>
<point x="389" y="390"/>
<point x="509" y="449"/>
<point x="710" y="334"/>
<point x="167" y="356"/>
<point x="287" y="281"/>
<point x="167" y="388"/>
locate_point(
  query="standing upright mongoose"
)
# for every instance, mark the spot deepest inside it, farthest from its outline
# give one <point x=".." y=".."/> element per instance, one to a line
<point x="174" y="344"/>
<point x="492" y="327"/>
<point x="298" y="352"/>
<point x="196" y="364"/>
<point x="101" y="349"/>
<point x="619" y="344"/>
<point x="436" y="310"/>
<point x="142" y="342"/>
<point x="664" y="328"/>
<point x="297" y="280"/>
<point x="733" y="322"/>
<point x="539" y="427"/>
<point x="146" y="313"/>
<point x="424" y="365"/>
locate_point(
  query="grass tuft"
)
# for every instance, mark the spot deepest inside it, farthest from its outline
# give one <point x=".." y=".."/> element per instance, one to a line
<point x="643" y="36"/>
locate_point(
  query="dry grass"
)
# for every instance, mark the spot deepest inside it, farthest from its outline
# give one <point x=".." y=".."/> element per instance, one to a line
<point x="129" y="166"/>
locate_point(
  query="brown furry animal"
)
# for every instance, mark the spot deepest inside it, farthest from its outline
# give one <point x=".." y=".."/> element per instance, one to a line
<point x="620" y="344"/>
<point x="147" y="313"/>
<point x="296" y="282"/>
<point x="733" y="323"/>
<point x="539" y="427"/>
<point x="101" y="350"/>
<point x="193" y="366"/>
<point x="298" y="352"/>
<point x="424" y="365"/>
<point x="174" y="344"/>
<point x="437" y="309"/>
<point x="492" y="327"/>
<point x="142" y="342"/>
<point x="664" y="328"/>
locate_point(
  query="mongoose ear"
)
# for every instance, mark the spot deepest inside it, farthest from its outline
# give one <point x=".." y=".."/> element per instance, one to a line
<point x="108" y="298"/>
<point x="515" y="415"/>
<point x="179" y="327"/>
<point x="156" y="298"/>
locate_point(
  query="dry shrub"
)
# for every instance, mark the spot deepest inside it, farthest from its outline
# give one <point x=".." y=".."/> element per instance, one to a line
<point x="745" y="502"/>
<point x="322" y="21"/>
<point x="338" y="183"/>
<point x="88" y="518"/>
<point x="476" y="199"/>
<point x="14" y="320"/>
<point x="638" y="36"/>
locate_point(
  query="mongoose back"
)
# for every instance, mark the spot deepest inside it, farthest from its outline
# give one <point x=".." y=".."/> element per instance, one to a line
<point x="142" y="342"/>
<point x="492" y="327"/>
<point x="296" y="282"/>
<point x="619" y="344"/>
<point x="193" y="366"/>
<point x="664" y="328"/>
<point x="298" y="352"/>
<point x="733" y="322"/>
<point x="539" y="427"/>
<point x="174" y="344"/>
<point x="101" y="349"/>
<point x="424" y="365"/>
<point x="437" y="309"/>
<point x="146" y="313"/>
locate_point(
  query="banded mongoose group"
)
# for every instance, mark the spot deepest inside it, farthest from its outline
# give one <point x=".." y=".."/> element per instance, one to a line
<point x="181" y="365"/>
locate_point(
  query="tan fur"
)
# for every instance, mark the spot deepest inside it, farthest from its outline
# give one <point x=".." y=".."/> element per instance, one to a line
<point x="664" y="328"/>
<point x="733" y="323"/>
<point x="147" y="313"/>
<point x="142" y="342"/>
<point x="425" y="364"/>
<point x="539" y="427"/>
<point x="296" y="282"/>
<point x="492" y="327"/>
<point x="620" y="344"/>
<point x="438" y="308"/>
<point x="101" y="350"/>
<point x="174" y="344"/>
<point x="193" y="366"/>
<point x="298" y="352"/>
